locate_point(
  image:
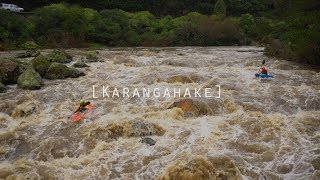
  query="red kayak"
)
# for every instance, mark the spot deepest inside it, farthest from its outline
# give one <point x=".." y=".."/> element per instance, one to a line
<point x="82" y="115"/>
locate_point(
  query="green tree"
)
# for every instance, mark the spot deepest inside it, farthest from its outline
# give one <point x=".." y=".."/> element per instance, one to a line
<point x="14" y="29"/>
<point x="111" y="28"/>
<point x="61" y="25"/>
<point x="220" y="8"/>
<point x="247" y="22"/>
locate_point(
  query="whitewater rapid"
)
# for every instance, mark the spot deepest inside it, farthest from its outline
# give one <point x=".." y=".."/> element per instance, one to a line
<point x="257" y="129"/>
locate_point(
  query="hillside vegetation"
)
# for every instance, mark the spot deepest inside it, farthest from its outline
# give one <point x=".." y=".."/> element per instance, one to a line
<point x="288" y="28"/>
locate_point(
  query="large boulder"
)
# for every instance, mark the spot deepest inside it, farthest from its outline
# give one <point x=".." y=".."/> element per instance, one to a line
<point x="41" y="65"/>
<point x="60" y="71"/>
<point x="29" y="53"/>
<point x="30" y="79"/>
<point x="2" y="88"/>
<point x="59" y="56"/>
<point x="23" y="65"/>
<point x="57" y="71"/>
<point x="9" y="71"/>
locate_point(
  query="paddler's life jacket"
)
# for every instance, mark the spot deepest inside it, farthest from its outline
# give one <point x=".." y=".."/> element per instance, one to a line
<point x="263" y="70"/>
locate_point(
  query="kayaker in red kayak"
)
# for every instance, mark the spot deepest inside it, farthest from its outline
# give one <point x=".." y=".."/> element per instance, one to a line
<point x="82" y="106"/>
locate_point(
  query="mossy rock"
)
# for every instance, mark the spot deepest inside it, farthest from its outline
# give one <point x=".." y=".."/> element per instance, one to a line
<point x="41" y="65"/>
<point x="57" y="71"/>
<point x="9" y="71"/>
<point x="29" y="45"/>
<point x="59" y="56"/>
<point x="80" y="65"/>
<point x="30" y="79"/>
<point x="3" y="88"/>
<point x="23" y="65"/>
<point x="75" y="73"/>
<point x="29" y="53"/>
<point x="92" y="56"/>
<point x="60" y="71"/>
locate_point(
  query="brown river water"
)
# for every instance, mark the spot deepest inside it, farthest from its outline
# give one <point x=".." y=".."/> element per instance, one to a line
<point x="257" y="129"/>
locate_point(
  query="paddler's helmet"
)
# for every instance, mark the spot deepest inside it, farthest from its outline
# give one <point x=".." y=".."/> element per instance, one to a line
<point x="82" y="101"/>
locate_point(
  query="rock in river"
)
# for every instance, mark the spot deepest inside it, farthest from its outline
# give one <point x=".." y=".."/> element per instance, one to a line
<point x="80" y="65"/>
<point x="92" y="56"/>
<point x="41" y="65"/>
<point x="30" y="79"/>
<point x="9" y="71"/>
<point x="29" y="53"/>
<point x="2" y="88"/>
<point x="149" y="141"/>
<point x="59" y="56"/>
<point x="25" y="109"/>
<point x="60" y="71"/>
<point x="192" y="107"/>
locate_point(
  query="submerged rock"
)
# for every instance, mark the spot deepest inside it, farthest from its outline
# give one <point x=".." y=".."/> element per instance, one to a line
<point x="5" y="172"/>
<point x="60" y="71"/>
<point x="9" y="71"/>
<point x="149" y="141"/>
<point x="184" y="79"/>
<point x="41" y="65"/>
<point x="124" y="60"/>
<point x="25" y="109"/>
<point x="316" y="163"/>
<point x="30" y="79"/>
<point x="3" y="88"/>
<point x="284" y="168"/>
<point x="80" y="65"/>
<point x="29" y="53"/>
<point x="203" y="168"/>
<point x="74" y="73"/>
<point x="192" y="107"/>
<point x="135" y="128"/>
<point x="59" y="56"/>
<point x="179" y="79"/>
<point x="142" y="128"/>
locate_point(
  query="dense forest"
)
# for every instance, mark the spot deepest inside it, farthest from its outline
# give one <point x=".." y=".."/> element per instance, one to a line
<point x="288" y="28"/>
<point x="161" y="7"/>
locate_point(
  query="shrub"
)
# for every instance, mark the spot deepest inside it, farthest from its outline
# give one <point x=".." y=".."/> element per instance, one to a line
<point x="59" y="25"/>
<point x="296" y="37"/>
<point x="14" y="29"/>
<point x="29" y="45"/>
